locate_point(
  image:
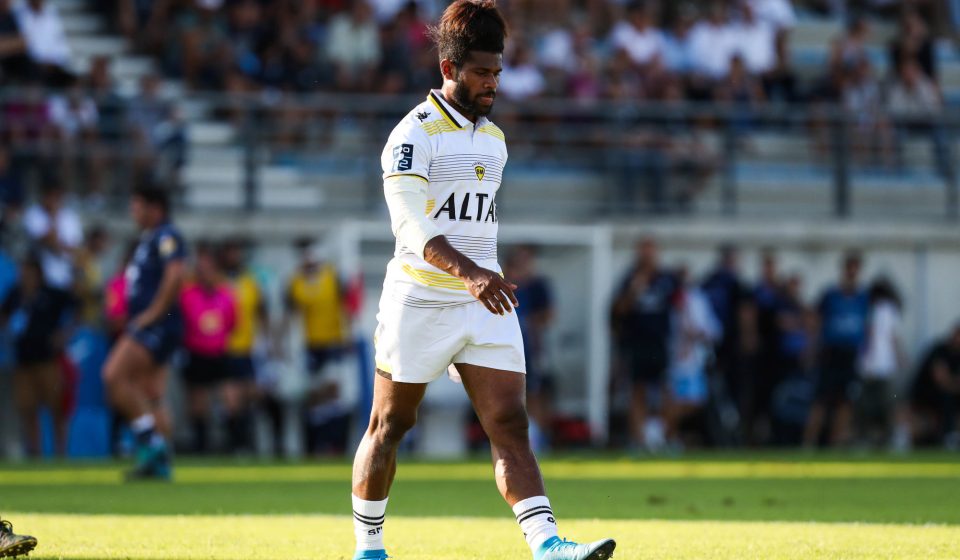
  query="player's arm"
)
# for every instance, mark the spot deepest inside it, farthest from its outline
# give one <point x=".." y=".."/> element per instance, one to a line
<point x="490" y="288"/>
<point x="173" y="274"/>
<point x="406" y="172"/>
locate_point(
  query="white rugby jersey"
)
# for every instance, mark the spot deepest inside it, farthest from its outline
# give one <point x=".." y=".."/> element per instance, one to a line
<point x="462" y="164"/>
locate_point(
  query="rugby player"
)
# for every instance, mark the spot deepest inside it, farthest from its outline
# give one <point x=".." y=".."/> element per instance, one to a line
<point x="445" y="305"/>
<point x="136" y="370"/>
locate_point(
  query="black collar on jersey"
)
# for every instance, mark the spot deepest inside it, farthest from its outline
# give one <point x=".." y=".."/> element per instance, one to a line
<point x="441" y="104"/>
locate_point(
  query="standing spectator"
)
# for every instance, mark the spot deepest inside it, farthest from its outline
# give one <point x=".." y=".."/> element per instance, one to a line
<point x="768" y="301"/>
<point x="915" y="104"/>
<point x="353" y="46"/>
<point x="641" y="317"/>
<point x="90" y="284"/>
<point x="38" y="316"/>
<point x="694" y="329"/>
<point x="535" y="314"/>
<point x="843" y="323"/>
<point x="317" y="296"/>
<point x="111" y="123"/>
<point x="935" y="394"/>
<point x="253" y="322"/>
<point x="57" y="232"/>
<point x="209" y="315"/>
<point x="46" y="39"/>
<point x="883" y="358"/>
<point x="778" y="13"/>
<point x="677" y="52"/>
<point x="730" y="301"/>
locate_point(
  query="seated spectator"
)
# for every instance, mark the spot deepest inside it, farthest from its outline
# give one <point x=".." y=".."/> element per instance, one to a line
<point x="159" y="132"/>
<point x="38" y="316"/>
<point x="46" y="40"/>
<point x="521" y="79"/>
<point x="755" y="41"/>
<point x="913" y="43"/>
<point x="638" y="36"/>
<point x="76" y="120"/>
<point x="353" y="46"/>
<point x="56" y="232"/>
<point x="108" y="154"/>
<point x="201" y="50"/>
<point x="742" y="91"/>
<point x="935" y="394"/>
<point x="14" y="63"/>
<point x="850" y="49"/>
<point x="677" y="53"/>
<point x="778" y="13"/>
<point x="863" y="99"/>
<point x="914" y="102"/>
<point x="712" y="45"/>
<point x="780" y="83"/>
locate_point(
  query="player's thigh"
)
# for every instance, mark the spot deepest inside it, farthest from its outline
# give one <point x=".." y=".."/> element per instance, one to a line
<point x="129" y="359"/>
<point x="498" y="396"/>
<point x="395" y="403"/>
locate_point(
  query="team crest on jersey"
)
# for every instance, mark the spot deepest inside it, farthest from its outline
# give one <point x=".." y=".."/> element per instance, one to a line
<point x="167" y="246"/>
<point x="480" y="170"/>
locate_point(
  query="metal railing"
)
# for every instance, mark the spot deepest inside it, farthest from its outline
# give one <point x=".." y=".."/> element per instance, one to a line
<point x="631" y="157"/>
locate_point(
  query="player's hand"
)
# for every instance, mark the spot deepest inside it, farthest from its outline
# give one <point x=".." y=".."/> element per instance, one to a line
<point x="495" y="293"/>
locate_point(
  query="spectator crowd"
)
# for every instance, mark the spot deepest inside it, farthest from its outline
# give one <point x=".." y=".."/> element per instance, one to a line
<point x="723" y="362"/>
<point x="735" y="53"/>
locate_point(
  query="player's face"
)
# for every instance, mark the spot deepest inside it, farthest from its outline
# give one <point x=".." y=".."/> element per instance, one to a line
<point x="477" y="82"/>
<point x="138" y="211"/>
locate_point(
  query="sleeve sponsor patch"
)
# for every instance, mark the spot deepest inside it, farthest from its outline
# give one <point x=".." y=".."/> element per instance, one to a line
<point x="403" y="157"/>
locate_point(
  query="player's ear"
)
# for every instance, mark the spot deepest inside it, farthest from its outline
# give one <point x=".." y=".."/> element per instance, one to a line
<point x="448" y="69"/>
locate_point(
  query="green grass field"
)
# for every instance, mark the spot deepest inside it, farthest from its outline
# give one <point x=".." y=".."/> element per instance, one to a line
<point x="703" y="507"/>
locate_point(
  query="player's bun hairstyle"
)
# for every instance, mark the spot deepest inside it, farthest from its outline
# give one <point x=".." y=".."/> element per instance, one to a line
<point x="469" y="25"/>
<point x="154" y="196"/>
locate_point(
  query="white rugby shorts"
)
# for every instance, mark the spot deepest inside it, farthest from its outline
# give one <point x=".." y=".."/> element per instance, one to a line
<point x="418" y="344"/>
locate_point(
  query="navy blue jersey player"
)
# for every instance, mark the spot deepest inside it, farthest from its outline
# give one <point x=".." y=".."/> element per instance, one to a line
<point x="135" y="372"/>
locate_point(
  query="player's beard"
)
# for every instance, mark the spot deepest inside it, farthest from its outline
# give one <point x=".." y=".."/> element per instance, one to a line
<point x="461" y="96"/>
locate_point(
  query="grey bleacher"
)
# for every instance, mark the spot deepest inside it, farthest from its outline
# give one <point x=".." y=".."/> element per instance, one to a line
<point x="778" y="169"/>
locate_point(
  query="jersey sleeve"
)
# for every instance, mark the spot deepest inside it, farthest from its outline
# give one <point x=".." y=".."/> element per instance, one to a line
<point x="171" y="247"/>
<point x="407" y="153"/>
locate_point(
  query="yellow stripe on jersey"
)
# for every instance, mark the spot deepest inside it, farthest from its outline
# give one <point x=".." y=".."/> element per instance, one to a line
<point x="493" y="130"/>
<point x="431" y="204"/>
<point x="437" y="127"/>
<point x="421" y="177"/>
<point x="434" y="279"/>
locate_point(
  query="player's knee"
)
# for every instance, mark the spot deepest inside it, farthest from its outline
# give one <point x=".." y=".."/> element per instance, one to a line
<point x="390" y="426"/>
<point x="508" y="424"/>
